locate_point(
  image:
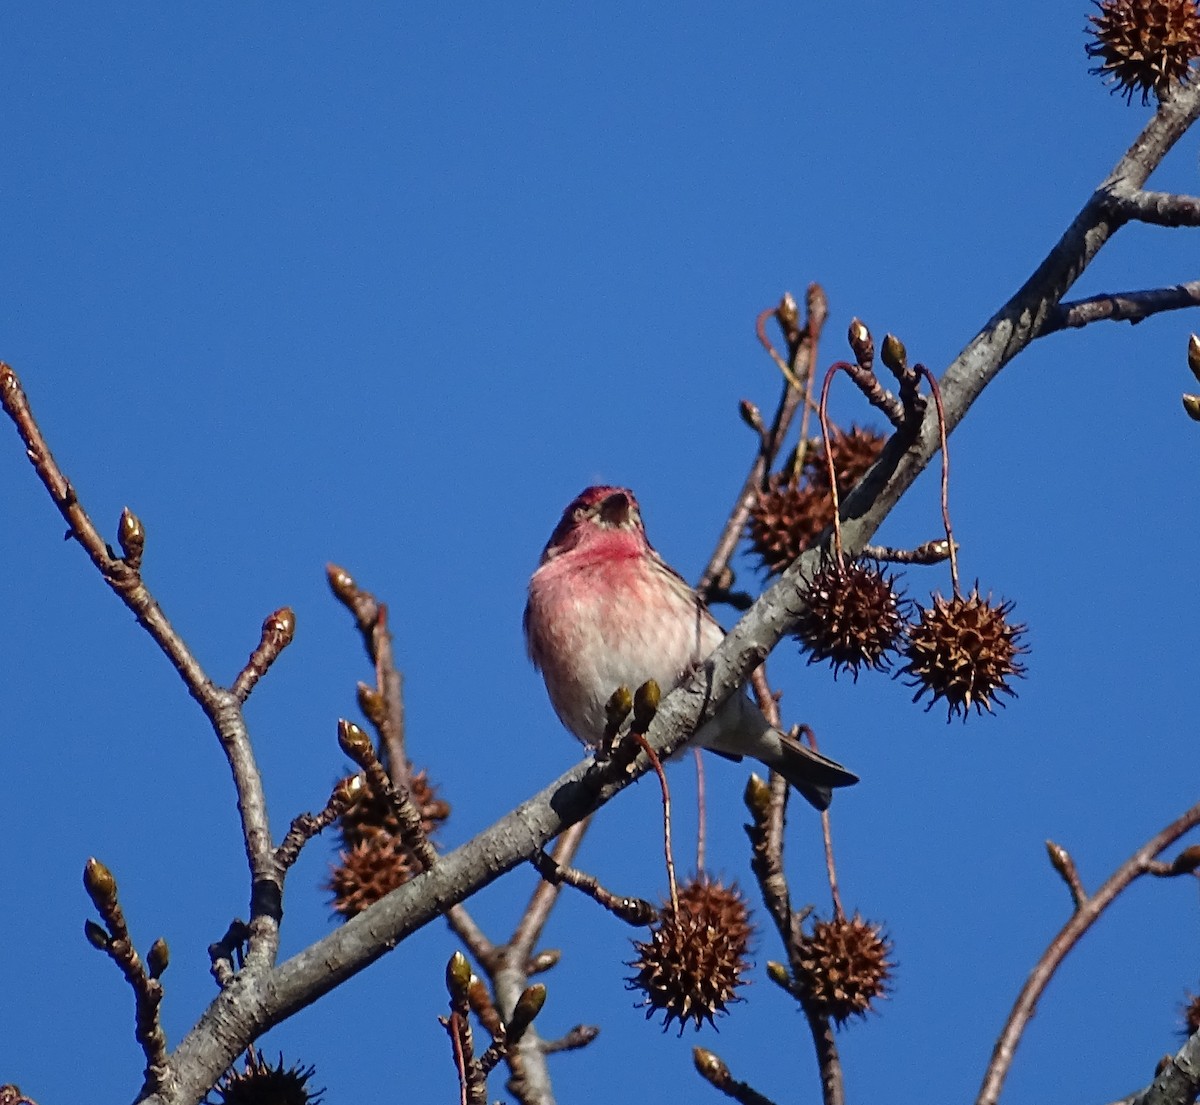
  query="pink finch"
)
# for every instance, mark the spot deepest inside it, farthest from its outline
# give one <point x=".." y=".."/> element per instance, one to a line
<point x="605" y="610"/>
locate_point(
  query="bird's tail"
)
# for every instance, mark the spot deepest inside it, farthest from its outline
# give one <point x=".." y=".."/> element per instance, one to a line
<point x="813" y="775"/>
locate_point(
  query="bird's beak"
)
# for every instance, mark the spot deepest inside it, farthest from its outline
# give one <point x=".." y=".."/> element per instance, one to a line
<point x="615" y="509"/>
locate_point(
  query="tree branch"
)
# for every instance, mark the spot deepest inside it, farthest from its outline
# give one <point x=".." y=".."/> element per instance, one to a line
<point x="1157" y="208"/>
<point x="1086" y="914"/>
<point x="1131" y="307"/>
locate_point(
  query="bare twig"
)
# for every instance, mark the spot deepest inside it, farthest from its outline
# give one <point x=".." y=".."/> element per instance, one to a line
<point x="579" y="1036"/>
<point x="1086" y="914"/>
<point x="537" y="912"/>
<point x="306" y="825"/>
<point x="221" y="707"/>
<point x="277" y="632"/>
<point x="1061" y="861"/>
<point x="114" y="940"/>
<point x="802" y="357"/>
<point x="633" y="911"/>
<point x="1131" y="307"/>
<point x="713" y="1070"/>
<point x="931" y="552"/>
<point x="1159" y="208"/>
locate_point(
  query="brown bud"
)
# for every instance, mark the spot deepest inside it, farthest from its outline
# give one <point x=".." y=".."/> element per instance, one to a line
<point x="1191" y="404"/>
<point x="98" y="881"/>
<point x="543" y="961"/>
<point x="1060" y="859"/>
<point x="458" y="977"/>
<point x="788" y="313"/>
<point x="894" y="355"/>
<point x="529" y="1005"/>
<point x="861" y="343"/>
<point x="751" y="415"/>
<point x="280" y="626"/>
<point x="710" y="1067"/>
<point x="341" y="583"/>
<point x="132" y="537"/>
<point x="96" y="936"/>
<point x="349" y="790"/>
<point x="645" y="705"/>
<point x="158" y="957"/>
<point x="1194" y="355"/>
<point x="757" y="797"/>
<point x="372" y="704"/>
<point x="482" y="1006"/>
<point x="1187" y="861"/>
<point x="355" y="743"/>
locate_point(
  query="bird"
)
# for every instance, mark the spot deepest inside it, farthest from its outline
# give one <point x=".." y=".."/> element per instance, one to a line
<point x="605" y="610"/>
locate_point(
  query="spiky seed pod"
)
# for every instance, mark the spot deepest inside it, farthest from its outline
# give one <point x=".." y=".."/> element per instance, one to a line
<point x="11" y="1095"/>
<point x="790" y="515"/>
<point x="373" y="860"/>
<point x="1191" y="1015"/>
<point x="1144" y="46"/>
<point x="371" y="814"/>
<point x="693" y="963"/>
<point x="844" y="967"/>
<point x="853" y="618"/>
<point x="260" y="1083"/>
<point x="965" y="651"/>
<point x="367" y="871"/>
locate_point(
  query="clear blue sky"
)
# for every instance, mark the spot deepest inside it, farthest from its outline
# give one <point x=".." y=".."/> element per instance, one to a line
<point x="387" y="285"/>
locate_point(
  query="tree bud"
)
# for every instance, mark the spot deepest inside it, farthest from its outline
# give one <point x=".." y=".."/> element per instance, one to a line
<point x="1191" y="404"/>
<point x="458" y="977"/>
<point x="1187" y="861"/>
<point x="861" y="343"/>
<point x="529" y="1005"/>
<point x="894" y="355"/>
<point x="98" y="881"/>
<point x="779" y="975"/>
<point x="618" y="707"/>
<point x="757" y="797"/>
<point x="341" y="583"/>
<point x="96" y="936"/>
<point x="751" y="415"/>
<point x="132" y="538"/>
<point x="1194" y="355"/>
<point x="158" y="957"/>
<point x="281" y="626"/>
<point x="355" y="743"/>
<point x="645" y="705"/>
<point x="710" y="1067"/>
<point x="372" y="704"/>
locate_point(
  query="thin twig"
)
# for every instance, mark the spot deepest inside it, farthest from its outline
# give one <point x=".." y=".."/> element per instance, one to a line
<point x="537" y="912"/>
<point x="1158" y="208"/>
<point x="1131" y="307"/>
<point x="221" y="707"/>
<point x="579" y="1036"/>
<point x="633" y="911"/>
<point x="701" y="810"/>
<point x="1085" y="916"/>
<point x="306" y="825"/>
<point x="713" y="1070"/>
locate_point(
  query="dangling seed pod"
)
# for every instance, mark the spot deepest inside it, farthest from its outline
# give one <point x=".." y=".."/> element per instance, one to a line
<point x="853" y="618"/>
<point x="260" y="1083"/>
<point x="963" y="650"/>
<point x="374" y="860"/>
<point x="693" y="963"/>
<point x="790" y="515"/>
<point x="1144" y="45"/>
<point x="844" y="967"/>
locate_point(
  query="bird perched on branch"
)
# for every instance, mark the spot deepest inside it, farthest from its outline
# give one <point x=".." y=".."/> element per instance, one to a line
<point x="605" y="611"/>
